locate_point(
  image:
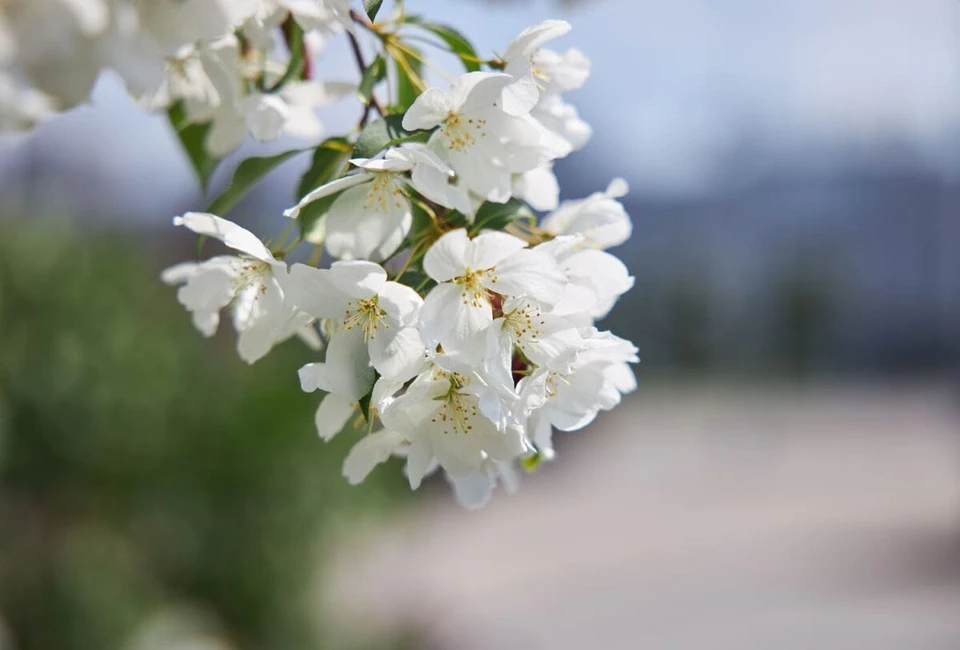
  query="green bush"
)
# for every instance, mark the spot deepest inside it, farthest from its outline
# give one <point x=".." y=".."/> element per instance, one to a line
<point x="143" y="467"/>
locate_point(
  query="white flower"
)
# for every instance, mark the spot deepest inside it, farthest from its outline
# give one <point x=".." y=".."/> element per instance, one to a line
<point x="482" y="143"/>
<point x="372" y="215"/>
<point x="21" y="106"/>
<point x="523" y="93"/>
<point x="441" y="418"/>
<point x="474" y="273"/>
<point x="561" y="129"/>
<point x="538" y="187"/>
<point x="600" y="218"/>
<point x="250" y="284"/>
<point x="372" y="324"/>
<point x="324" y="16"/>
<point x="595" y="279"/>
<point x="527" y="328"/>
<point x="597" y="380"/>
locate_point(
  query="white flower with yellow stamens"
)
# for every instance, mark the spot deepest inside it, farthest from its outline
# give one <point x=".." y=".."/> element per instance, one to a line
<point x="252" y="284"/>
<point x="372" y="214"/>
<point x="474" y="275"/>
<point x="481" y="143"/>
<point x="371" y="322"/>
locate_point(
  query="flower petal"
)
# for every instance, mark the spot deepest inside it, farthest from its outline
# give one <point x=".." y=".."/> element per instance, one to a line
<point x="429" y="110"/>
<point x="234" y="236"/>
<point x="530" y="39"/>
<point x="372" y="450"/>
<point x="358" y="278"/>
<point x="332" y="415"/>
<point x="530" y="273"/>
<point x="446" y="259"/>
<point x="401" y="303"/>
<point x="489" y="248"/>
<point x="397" y="354"/>
<point x="312" y="291"/>
<point x="329" y="189"/>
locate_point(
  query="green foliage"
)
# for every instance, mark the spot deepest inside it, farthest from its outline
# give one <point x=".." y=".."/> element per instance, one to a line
<point x="458" y="43"/>
<point x="409" y="70"/>
<point x="143" y="467"/>
<point x="374" y="74"/>
<point x="372" y="7"/>
<point x="247" y="174"/>
<point x="193" y="138"/>
<point x="329" y="160"/>
<point x="385" y="132"/>
<point x="496" y="216"/>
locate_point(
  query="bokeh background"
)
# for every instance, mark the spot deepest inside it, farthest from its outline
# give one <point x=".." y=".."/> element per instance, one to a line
<point x="787" y="475"/>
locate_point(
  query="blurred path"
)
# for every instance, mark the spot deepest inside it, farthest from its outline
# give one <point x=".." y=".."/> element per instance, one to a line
<point x="696" y="518"/>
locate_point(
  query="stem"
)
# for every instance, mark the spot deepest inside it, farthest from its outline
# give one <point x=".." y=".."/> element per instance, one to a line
<point x="358" y="56"/>
<point x="294" y="37"/>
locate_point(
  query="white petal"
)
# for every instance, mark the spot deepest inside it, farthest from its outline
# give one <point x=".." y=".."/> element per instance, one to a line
<point x="312" y="291"/>
<point x="446" y="258"/>
<point x="530" y="273"/>
<point x="264" y="116"/>
<point x="419" y="460"/>
<point x="471" y="490"/>
<point x="521" y="96"/>
<point x="372" y="450"/>
<point x="618" y="188"/>
<point x="539" y="188"/>
<point x="332" y="415"/>
<point x="475" y="90"/>
<point x="348" y="360"/>
<point x="429" y="110"/>
<point x="178" y="273"/>
<point x="530" y="39"/>
<point x="368" y="222"/>
<point x="229" y="233"/>
<point x="397" y="354"/>
<point x="358" y="278"/>
<point x="400" y="302"/>
<point x="329" y="189"/>
<point x="489" y="248"/>
<point x="448" y="317"/>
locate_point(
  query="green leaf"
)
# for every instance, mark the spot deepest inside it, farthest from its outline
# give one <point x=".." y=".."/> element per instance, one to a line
<point x="193" y="138"/>
<point x="246" y="176"/>
<point x="458" y="43"/>
<point x="329" y="160"/>
<point x="365" y="403"/>
<point x="373" y="75"/>
<point x="496" y="216"/>
<point x="408" y="88"/>
<point x="372" y="7"/>
<point x="384" y="132"/>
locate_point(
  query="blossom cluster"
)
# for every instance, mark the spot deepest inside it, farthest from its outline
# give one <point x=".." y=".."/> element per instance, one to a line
<point x="453" y="327"/>
<point x="217" y="60"/>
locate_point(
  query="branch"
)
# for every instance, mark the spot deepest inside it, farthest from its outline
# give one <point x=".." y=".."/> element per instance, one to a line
<point x="358" y="55"/>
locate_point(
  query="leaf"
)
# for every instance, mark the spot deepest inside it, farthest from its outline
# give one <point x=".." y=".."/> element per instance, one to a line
<point x="496" y="216"/>
<point x="246" y="176"/>
<point x="328" y="161"/>
<point x="372" y="7"/>
<point x="384" y="132"/>
<point x="193" y="138"/>
<point x="365" y="403"/>
<point x="409" y="79"/>
<point x="374" y="74"/>
<point x="458" y="43"/>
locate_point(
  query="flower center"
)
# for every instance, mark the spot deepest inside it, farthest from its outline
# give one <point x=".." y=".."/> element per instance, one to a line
<point x="366" y="314"/>
<point x="474" y="293"/>
<point x="251" y="271"/>
<point x="462" y="133"/>
<point x="456" y="412"/>
<point x="525" y="323"/>
<point x="381" y="191"/>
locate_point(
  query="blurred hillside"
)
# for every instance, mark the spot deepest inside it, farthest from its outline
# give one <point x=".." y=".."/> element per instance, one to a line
<point x="155" y="492"/>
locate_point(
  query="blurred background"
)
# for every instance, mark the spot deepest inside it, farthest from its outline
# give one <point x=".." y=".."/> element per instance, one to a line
<point x="787" y="475"/>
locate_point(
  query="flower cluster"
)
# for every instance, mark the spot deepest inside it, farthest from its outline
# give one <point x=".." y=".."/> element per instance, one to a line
<point x="217" y="62"/>
<point x="457" y="330"/>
